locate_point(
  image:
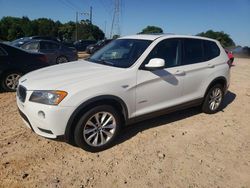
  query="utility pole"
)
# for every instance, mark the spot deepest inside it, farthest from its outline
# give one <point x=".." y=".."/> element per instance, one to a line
<point x="90" y="14"/>
<point x="115" y="26"/>
<point x="83" y="13"/>
<point x="105" y="26"/>
<point x="76" y="26"/>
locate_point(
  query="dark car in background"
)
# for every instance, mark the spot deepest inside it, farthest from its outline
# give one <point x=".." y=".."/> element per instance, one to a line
<point x="94" y="47"/>
<point x="81" y="45"/>
<point x="21" y="41"/>
<point x="56" y="52"/>
<point x="15" y="62"/>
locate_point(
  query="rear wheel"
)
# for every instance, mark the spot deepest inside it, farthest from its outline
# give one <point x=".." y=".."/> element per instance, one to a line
<point x="9" y="81"/>
<point x="61" y="59"/>
<point x="97" y="128"/>
<point x="213" y="99"/>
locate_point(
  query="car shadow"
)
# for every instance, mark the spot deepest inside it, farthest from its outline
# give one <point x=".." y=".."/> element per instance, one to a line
<point x="132" y="130"/>
<point x="228" y="99"/>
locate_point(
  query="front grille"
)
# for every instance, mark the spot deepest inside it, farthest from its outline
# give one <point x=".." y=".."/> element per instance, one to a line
<point x="21" y="93"/>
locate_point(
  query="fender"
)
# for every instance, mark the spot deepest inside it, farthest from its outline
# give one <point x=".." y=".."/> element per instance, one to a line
<point x="68" y="135"/>
<point x="220" y="79"/>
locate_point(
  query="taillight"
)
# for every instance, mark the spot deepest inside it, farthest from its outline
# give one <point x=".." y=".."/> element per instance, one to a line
<point x="43" y="58"/>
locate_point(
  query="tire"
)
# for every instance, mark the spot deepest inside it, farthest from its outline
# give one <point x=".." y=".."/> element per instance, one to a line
<point x="9" y="81"/>
<point x="61" y="59"/>
<point x="92" y="137"/>
<point x="213" y="99"/>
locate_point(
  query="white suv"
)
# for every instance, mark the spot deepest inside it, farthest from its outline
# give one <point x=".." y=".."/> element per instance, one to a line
<point x="130" y="79"/>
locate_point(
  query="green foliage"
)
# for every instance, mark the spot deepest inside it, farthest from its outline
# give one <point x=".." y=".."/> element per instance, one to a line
<point x="12" y="28"/>
<point x="151" y="29"/>
<point x="222" y="37"/>
<point x="66" y="31"/>
<point x="88" y="31"/>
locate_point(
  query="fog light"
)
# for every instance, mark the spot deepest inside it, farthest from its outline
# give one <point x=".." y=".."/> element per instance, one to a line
<point x="41" y="114"/>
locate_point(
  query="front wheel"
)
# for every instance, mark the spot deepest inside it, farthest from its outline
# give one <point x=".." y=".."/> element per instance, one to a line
<point x="97" y="128"/>
<point x="213" y="99"/>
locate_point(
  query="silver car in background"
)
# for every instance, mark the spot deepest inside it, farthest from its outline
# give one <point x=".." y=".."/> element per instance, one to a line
<point x="56" y="52"/>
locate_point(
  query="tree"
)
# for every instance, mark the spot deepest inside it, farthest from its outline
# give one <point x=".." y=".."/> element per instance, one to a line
<point x="222" y="37"/>
<point x="45" y="27"/>
<point x="66" y="31"/>
<point x="151" y="29"/>
<point x="86" y="30"/>
<point x="12" y="28"/>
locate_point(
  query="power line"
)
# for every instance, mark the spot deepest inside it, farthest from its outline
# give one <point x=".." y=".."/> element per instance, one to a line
<point x="66" y="5"/>
<point x="72" y="4"/>
<point x="109" y="11"/>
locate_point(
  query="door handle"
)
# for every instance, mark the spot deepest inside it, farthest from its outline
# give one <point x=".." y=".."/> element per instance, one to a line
<point x="179" y="73"/>
<point x="210" y="66"/>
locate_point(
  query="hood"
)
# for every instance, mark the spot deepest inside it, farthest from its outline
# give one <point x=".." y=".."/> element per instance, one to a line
<point x="64" y="75"/>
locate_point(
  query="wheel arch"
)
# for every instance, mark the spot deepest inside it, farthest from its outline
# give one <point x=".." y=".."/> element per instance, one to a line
<point x="219" y="80"/>
<point x="114" y="101"/>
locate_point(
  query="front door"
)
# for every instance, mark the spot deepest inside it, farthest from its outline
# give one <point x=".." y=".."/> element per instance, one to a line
<point x="160" y="89"/>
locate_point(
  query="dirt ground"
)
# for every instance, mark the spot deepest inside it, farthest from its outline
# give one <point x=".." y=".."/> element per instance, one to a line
<point x="182" y="149"/>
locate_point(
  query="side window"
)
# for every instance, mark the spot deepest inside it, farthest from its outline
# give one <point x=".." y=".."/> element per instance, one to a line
<point x="192" y="52"/>
<point x="31" y="46"/>
<point x="169" y="50"/>
<point x="3" y="52"/>
<point x="53" y="46"/>
<point x="211" y="50"/>
<point x="48" y="46"/>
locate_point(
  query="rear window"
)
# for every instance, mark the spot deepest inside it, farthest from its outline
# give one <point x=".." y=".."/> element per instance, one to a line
<point x="31" y="46"/>
<point x="48" y="46"/>
<point x="193" y="51"/>
<point x="211" y="50"/>
<point x="197" y="51"/>
<point x="2" y="52"/>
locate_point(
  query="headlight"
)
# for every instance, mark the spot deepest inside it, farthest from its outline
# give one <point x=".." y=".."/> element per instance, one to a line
<point x="48" y="97"/>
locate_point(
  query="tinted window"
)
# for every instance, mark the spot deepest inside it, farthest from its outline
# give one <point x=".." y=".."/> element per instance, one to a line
<point x="48" y="46"/>
<point x="193" y="51"/>
<point x="31" y="46"/>
<point x="211" y="50"/>
<point x="169" y="50"/>
<point x="2" y="52"/>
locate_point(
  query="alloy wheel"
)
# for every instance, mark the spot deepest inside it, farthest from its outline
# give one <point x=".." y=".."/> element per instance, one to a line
<point x="62" y="60"/>
<point x="11" y="80"/>
<point x="215" y="99"/>
<point x="99" y="128"/>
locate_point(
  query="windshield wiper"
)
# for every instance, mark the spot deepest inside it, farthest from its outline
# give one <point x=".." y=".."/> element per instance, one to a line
<point x="104" y="62"/>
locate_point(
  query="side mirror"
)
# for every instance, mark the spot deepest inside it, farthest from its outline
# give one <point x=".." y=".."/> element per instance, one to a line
<point x="155" y="63"/>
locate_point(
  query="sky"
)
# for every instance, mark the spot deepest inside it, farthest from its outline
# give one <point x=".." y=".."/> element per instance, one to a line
<point x="187" y="17"/>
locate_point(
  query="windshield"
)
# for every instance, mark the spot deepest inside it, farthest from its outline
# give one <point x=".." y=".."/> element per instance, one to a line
<point x="19" y="41"/>
<point x="120" y="53"/>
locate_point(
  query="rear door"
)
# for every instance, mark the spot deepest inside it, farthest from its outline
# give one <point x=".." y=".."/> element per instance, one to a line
<point x="197" y="64"/>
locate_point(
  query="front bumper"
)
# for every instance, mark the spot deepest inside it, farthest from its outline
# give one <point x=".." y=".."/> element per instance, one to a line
<point x="51" y="125"/>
